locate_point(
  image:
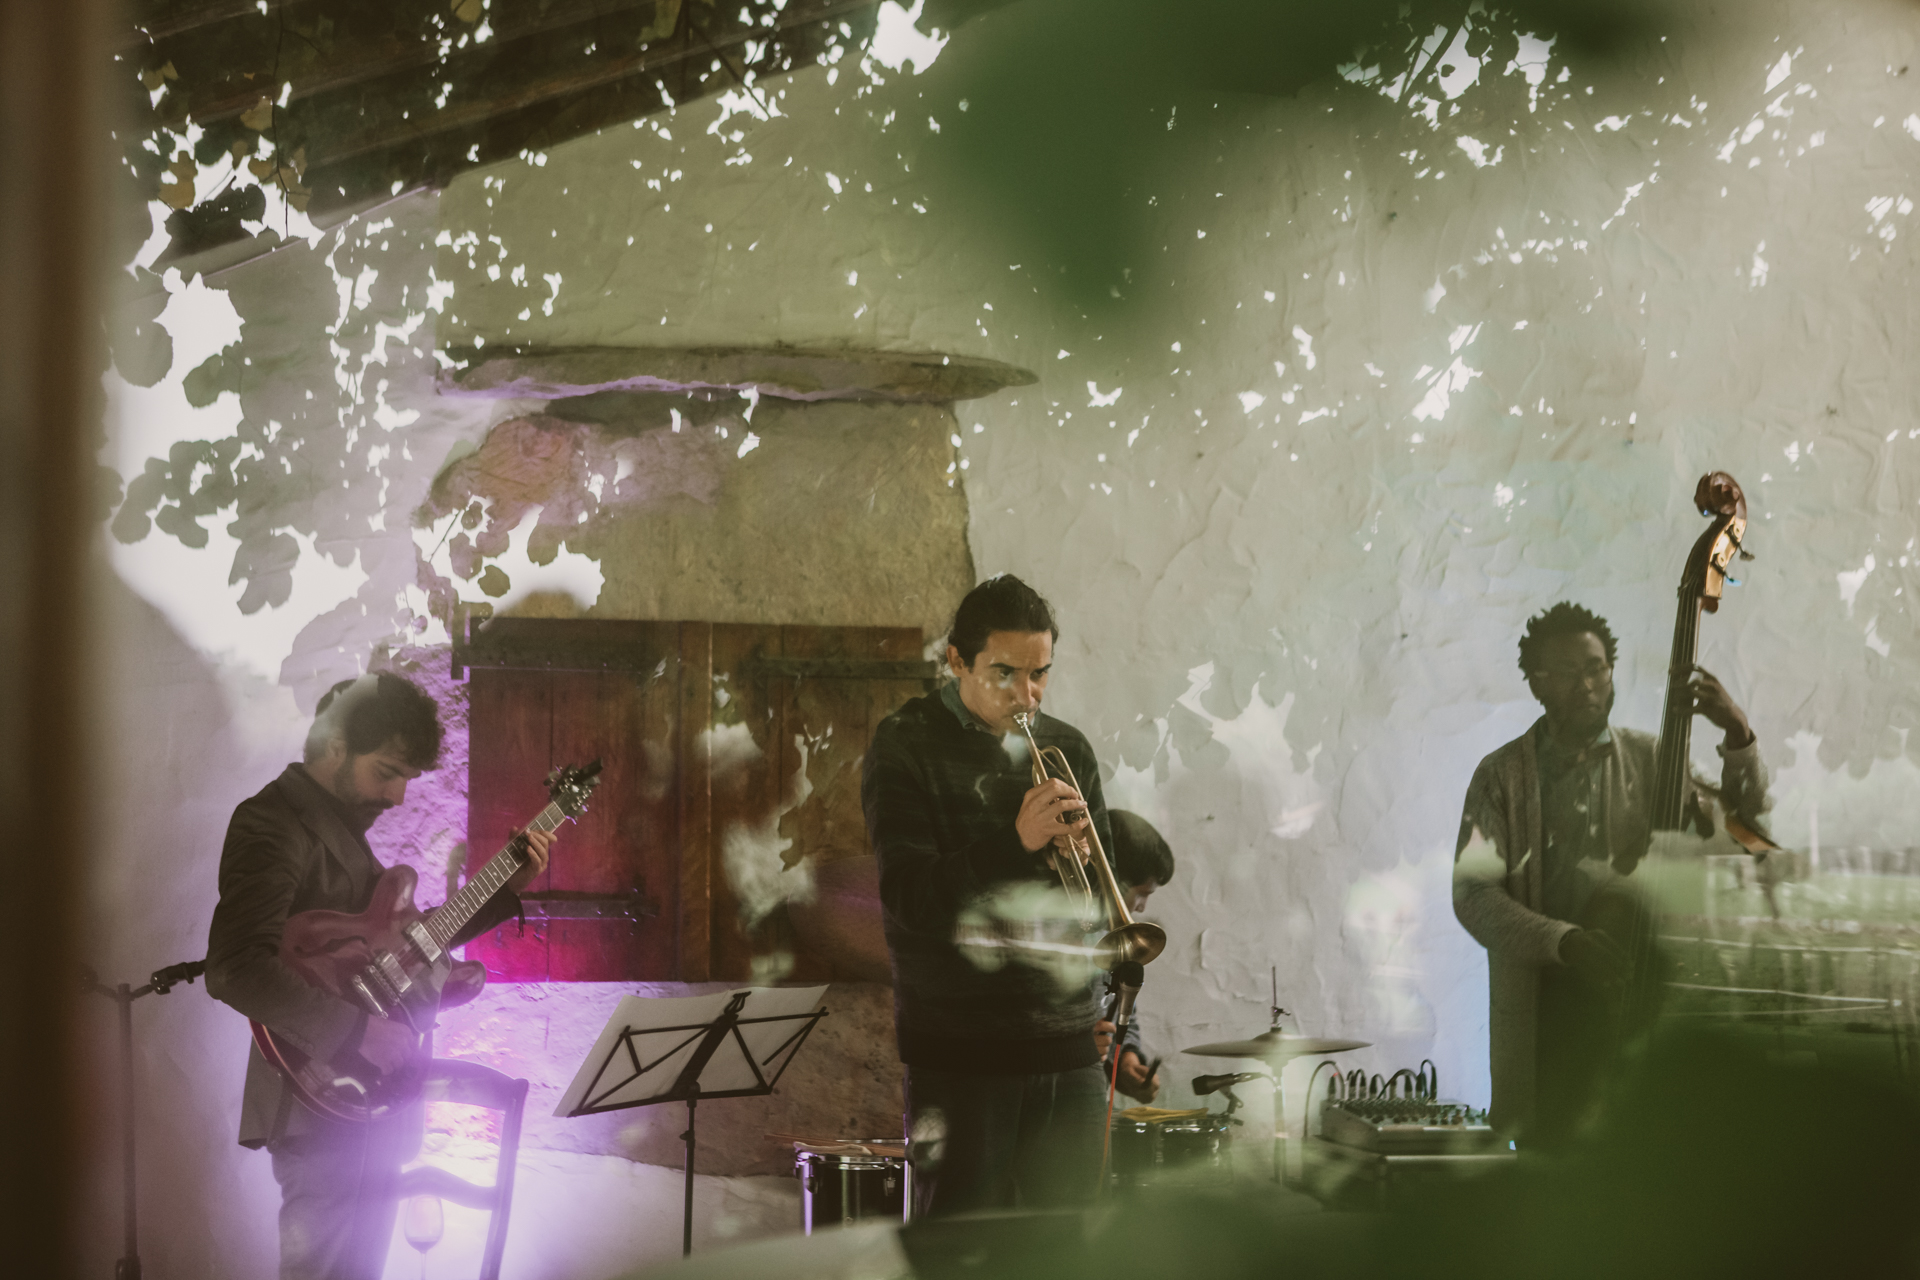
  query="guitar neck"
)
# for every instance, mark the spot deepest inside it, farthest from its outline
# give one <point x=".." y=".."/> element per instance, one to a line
<point x="450" y="917"/>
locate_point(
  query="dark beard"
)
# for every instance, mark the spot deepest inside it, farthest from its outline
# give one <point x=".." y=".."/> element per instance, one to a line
<point x="363" y="813"/>
<point x="1586" y="730"/>
<point x="366" y="813"/>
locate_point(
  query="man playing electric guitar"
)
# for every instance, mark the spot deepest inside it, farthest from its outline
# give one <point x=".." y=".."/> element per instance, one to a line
<point x="300" y="845"/>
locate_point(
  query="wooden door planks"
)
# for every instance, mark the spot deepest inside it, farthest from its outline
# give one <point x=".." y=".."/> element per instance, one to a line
<point x="710" y="732"/>
<point x="510" y="712"/>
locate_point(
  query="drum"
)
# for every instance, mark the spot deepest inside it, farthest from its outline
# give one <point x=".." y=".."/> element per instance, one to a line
<point x="1146" y="1147"/>
<point x="850" y="1181"/>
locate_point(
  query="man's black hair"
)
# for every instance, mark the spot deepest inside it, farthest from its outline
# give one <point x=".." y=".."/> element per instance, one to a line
<point x="374" y="710"/>
<point x="1140" y="853"/>
<point x="1563" y="619"/>
<point x="1003" y="603"/>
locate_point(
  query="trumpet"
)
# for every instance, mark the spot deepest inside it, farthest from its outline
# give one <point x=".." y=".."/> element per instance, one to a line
<point x="1126" y="938"/>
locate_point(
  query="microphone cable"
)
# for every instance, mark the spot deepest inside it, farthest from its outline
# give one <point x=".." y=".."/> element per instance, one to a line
<point x="1106" y="1133"/>
<point x="1306" y="1125"/>
<point x="1127" y="973"/>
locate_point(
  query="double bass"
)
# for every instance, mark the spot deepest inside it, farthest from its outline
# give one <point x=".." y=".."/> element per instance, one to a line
<point x="1676" y="802"/>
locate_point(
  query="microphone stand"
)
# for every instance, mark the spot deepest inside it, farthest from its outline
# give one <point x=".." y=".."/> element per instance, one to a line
<point x="1279" y="1086"/>
<point x="128" y="1267"/>
<point x="1126" y="980"/>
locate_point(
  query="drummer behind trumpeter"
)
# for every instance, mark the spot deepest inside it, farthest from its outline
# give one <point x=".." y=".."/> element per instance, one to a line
<point x="1142" y="863"/>
<point x="1005" y="1100"/>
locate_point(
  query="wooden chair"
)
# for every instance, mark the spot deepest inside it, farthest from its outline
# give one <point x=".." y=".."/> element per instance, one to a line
<point x="451" y="1080"/>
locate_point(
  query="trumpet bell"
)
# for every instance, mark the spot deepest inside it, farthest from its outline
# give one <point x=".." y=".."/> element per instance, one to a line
<point x="1138" y="941"/>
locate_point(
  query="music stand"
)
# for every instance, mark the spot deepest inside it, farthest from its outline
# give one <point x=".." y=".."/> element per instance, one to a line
<point x="686" y="1048"/>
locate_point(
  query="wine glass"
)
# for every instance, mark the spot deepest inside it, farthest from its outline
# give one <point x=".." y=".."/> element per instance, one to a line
<point x="423" y="1222"/>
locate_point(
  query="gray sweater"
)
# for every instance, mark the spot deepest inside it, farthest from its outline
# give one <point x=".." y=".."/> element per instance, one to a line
<point x="1497" y="890"/>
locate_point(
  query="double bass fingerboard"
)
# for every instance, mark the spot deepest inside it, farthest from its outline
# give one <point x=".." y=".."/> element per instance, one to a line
<point x="1676" y="723"/>
<point x="1719" y="496"/>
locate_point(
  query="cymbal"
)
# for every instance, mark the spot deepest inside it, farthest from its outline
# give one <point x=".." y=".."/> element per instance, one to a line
<point x="1275" y="1046"/>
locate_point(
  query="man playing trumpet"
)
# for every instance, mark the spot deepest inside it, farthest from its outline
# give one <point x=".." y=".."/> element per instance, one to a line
<point x="1004" y="1097"/>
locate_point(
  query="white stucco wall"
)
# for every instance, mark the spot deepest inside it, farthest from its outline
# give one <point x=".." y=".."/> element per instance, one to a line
<point x="1289" y="595"/>
<point x="1366" y="412"/>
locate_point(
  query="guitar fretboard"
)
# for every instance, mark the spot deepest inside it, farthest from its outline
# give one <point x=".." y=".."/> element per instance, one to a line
<point x="451" y="916"/>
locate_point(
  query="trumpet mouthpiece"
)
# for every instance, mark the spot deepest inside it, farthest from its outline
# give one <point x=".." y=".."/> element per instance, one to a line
<point x="1024" y="719"/>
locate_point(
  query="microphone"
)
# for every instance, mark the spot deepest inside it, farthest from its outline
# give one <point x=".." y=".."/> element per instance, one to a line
<point x="1128" y="976"/>
<point x="1204" y="1085"/>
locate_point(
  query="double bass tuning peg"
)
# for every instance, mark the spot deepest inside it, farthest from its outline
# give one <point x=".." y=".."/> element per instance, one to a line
<point x="1745" y="554"/>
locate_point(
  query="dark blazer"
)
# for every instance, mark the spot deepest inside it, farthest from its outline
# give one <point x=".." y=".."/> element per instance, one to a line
<point x="290" y="849"/>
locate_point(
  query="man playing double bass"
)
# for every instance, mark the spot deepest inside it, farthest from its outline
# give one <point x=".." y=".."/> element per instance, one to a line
<point x="1554" y="824"/>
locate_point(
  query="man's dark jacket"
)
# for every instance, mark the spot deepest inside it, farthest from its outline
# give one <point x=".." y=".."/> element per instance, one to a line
<point x="940" y="799"/>
<point x="291" y="849"/>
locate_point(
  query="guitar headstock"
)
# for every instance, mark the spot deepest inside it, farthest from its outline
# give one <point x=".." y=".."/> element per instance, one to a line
<point x="568" y="787"/>
<point x="1717" y="496"/>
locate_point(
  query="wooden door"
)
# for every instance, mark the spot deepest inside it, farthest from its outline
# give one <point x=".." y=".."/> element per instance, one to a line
<point x="561" y="692"/>
<point x="732" y="757"/>
<point x="810" y="698"/>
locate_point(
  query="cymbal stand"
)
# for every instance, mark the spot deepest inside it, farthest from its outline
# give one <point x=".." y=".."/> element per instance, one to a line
<point x="1274" y="1013"/>
<point x="128" y="1267"/>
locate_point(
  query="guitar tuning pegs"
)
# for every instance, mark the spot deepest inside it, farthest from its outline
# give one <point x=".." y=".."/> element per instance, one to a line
<point x="1745" y="554"/>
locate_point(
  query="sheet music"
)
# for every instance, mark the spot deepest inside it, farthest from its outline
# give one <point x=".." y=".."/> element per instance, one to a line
<point x="664" y="1054"/>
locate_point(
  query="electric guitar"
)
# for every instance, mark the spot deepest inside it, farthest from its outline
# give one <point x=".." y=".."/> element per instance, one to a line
<point x="392" y="961"/>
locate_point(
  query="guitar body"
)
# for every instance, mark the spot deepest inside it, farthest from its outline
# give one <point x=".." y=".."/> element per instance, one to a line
<point x="392" y="962"/>
<point x="339" y="1093"/>
<point x="329" y="949"/>
<point x="332" y="950"/>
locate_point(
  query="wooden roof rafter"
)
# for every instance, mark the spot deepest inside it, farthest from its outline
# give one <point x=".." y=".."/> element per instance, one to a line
<point x="356" y="100"/>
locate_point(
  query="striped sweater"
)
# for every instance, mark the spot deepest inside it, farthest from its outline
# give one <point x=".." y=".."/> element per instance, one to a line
<point x="1497" y="884"/>
<point x="940" y="797"/>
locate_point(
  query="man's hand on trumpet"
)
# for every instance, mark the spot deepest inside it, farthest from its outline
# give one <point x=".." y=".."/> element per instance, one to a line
<point x="1043" y="816"/>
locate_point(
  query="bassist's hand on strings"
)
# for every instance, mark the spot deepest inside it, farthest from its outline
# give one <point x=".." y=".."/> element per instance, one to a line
<point x="539" y="843"/>
<point x="1711" y="699"/>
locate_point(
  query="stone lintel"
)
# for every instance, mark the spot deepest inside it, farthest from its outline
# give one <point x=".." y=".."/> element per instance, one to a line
<point x="791" y="373"/>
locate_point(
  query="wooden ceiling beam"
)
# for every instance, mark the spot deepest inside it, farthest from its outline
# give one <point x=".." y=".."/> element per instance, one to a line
<point x="359" y="64"/>
<point x="153" y="23"/>
<point x="466" y="116"/>
<point x="367" y="107"/>
<point x="434" y="159"/>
